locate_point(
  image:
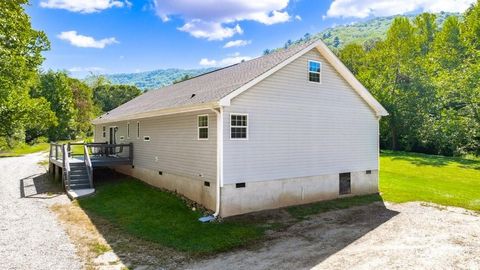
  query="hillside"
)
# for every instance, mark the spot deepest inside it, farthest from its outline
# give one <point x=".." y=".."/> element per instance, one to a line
<point x="334" y="37"/>
<point x="154" y="79"/>
<point x="362" y="31"/>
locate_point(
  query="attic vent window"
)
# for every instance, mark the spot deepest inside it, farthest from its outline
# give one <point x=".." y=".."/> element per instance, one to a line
<point x="314" y="69"/>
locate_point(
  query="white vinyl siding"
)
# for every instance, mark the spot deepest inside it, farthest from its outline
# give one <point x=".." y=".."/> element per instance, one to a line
<point x="173" y="140"/>
<point x="297" y="128"/>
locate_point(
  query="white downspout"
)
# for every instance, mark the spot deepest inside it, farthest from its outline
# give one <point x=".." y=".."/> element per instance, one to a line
<point x="219" y="114"/>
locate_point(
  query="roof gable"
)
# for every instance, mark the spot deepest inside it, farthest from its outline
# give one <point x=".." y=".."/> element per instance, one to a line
<point x="333" y="60"/>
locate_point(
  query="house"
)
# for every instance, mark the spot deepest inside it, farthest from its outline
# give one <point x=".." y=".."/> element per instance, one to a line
<point x="291" y="127"/>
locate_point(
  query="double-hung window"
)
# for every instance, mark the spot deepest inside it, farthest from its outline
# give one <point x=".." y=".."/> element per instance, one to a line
<point x="238" y="126"/>
<point x="104" y="132"/>
<point x="314" y="71"/>
<point x="203" y="127"/>
<point x="128" y="130"/>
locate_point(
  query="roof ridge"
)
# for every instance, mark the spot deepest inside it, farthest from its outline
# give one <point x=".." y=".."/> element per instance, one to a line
<point x="280" y="50"/>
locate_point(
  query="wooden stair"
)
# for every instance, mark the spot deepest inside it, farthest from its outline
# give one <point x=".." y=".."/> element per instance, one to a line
<point x="78" y="175"/>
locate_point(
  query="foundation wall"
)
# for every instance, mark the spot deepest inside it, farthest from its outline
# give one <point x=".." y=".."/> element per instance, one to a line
<point x="194" y="189"/>
<point x="264" y="195"/>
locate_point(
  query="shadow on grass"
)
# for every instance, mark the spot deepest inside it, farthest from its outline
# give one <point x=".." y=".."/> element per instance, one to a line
<point x="432" y="160"/>
<point x="157" y="232"/>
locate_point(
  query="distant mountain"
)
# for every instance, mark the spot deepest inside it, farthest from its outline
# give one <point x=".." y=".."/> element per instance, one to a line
<point x="154" y="79"/>
<point x="334" y="37"/>
<point x="359" y="32"/>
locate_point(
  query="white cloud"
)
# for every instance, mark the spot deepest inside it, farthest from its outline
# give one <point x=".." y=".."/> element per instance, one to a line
<point x="233" y="59"/>
<point x="85" y="41"/>
<point x="366" y="8"/>
<point x="237" y="43"/>
<point x="298" y="17"/>
<point x="210" y="31"/>
<point x="218" y="19"/>
<point x="207" y="62"/>
<point x="86" y="69"/>
<point x="84" y="6"/>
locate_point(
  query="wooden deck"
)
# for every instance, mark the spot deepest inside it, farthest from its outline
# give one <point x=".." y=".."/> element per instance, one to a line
<point x="76" y="170"/>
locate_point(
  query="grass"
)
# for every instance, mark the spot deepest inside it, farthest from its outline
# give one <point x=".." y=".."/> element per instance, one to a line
<point x="25" y="149"/>
<point x="164" y="218"/>
<point x="442" y="180"/>
<point x="303" y="211"/>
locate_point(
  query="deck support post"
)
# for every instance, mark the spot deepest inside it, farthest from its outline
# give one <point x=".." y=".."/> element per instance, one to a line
<point x="57" y="173"/>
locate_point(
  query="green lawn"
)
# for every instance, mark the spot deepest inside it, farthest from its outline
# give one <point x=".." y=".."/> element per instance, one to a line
<point x="417" y="177"/>
<point x="25" y="149"/>
<point x="164" y="218"/>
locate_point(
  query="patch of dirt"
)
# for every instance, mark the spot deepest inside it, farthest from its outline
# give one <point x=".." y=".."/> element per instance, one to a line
<point x="380" y="236"/>
<point x="98" y="244"/>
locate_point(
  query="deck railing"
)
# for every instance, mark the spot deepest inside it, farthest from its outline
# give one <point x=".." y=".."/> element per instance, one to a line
<point x="88" y="165"/>
<point x="66" y="167"/>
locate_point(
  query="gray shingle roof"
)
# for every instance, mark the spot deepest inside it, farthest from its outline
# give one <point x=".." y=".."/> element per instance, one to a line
<point x="207" y="88"/>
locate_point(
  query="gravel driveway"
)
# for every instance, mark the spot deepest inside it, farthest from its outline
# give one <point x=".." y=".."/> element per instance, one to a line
<point x="376" y="236"/>
<point x="30" y="235"/>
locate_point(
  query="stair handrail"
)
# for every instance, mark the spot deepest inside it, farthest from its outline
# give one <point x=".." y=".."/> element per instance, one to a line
<point x="88" y="164"/>
<point x="66" y="166"/>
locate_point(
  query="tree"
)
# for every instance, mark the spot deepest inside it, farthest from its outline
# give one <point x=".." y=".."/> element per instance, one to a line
<point x="353" y="56"/>
<point x="56" y="88"/>
<point x="20" y="56"/>
<point x="336" y="42"/>
<point x="83" y="102"/>
<point x="107" y="97"/>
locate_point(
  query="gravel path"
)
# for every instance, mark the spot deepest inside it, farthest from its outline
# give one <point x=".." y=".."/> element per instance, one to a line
<point x="30" y="235"/>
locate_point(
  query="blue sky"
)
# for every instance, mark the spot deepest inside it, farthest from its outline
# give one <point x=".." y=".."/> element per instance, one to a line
<point x="116" y="36"/>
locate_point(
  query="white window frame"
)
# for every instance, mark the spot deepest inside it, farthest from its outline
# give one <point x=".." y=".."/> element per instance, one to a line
<point x="199" y="127"/>
<point x="104" y="132"/>
<point x="230" y="130"/>
<point x="319" y="73"/>
<point x="128" y="130"/>
<point x="138" y="130"/>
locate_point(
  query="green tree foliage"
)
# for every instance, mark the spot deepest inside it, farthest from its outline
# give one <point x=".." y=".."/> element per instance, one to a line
<point x="429" y="81"/>
<point x="107" y="96"/>
<point x="56" y="88"/>
<point x="20" y="56"/>
<point x="83" y="103"/>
